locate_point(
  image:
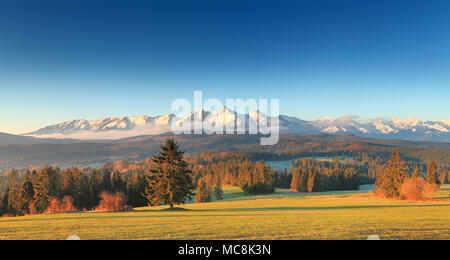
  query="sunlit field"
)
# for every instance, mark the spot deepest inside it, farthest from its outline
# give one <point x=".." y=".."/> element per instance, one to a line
<point x="283" y="215"/>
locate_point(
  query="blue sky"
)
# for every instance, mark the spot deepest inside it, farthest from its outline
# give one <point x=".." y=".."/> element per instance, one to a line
<point x="63" y="60"/>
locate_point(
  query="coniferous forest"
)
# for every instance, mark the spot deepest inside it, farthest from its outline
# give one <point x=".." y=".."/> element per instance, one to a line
<point x="137" y="184"/>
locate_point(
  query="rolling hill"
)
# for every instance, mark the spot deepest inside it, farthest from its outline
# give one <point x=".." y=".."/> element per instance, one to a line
<point x="85" y="153"/>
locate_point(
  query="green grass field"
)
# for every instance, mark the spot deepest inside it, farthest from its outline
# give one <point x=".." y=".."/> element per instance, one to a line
<point x="283" y="215"/>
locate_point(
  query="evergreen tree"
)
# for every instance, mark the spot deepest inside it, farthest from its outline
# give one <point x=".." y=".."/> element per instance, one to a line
<point x="72" y="181"/>
<point x="256" y="178"/>
<point x="203" y="194"/>
<point x="312" y="182"/>
<point x="106" y="180"/>
<point x="389" y="183"/>
<point x="46" y="187"/>
<point x="26" y="193"/>
<point x="4" y="204"/>
<point x="303" y="181"/>
<point x="14" y="194"/>
<point x="117" y="182"/>
<point x="94" y="187"/>
<point x="446" y="177"/>
<point x="135" y="190"/>
<point x="218" y="191"/>
<point x="170" y="181"/>
<point x="432" y="174"/>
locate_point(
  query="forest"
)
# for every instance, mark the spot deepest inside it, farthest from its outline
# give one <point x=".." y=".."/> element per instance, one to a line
<point x="35" y="191"/>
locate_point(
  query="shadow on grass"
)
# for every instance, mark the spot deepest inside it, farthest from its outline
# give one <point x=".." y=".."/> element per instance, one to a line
<point x="176" y="209"/>
<point x="131" y="215"/>
<point x="322" y="208"/>
<point x="306" y="208"/>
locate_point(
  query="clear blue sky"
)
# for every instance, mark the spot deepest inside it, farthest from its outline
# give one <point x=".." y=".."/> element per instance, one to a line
<point x="63" y="60"/>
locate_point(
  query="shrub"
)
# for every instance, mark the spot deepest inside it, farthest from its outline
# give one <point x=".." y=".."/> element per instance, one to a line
<point x="112" y="202"/>
<point x="59" y="206"/>
<point x="67" y="204"/>
<point x="413" y="189"/>
<point x="53" y="207"/>
<point x="416" y="188"/>
<point x="429" y="190"/>
<point x="32" y="210"/>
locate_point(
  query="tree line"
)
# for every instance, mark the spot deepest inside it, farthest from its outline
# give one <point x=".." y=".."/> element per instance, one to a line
<point x="34" y="192"/>
<point x="172" y="178"/>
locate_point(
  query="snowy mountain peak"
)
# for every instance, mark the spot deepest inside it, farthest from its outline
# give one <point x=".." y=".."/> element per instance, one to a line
<point x="115" y="128"/>
<point x="405" y="124"/>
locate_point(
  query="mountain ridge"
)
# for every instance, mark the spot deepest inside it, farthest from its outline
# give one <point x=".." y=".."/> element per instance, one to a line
<point x="129" y="126"/>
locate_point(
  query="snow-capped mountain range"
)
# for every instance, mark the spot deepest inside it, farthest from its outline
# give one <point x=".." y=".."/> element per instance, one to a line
<point x="117" y="128"/>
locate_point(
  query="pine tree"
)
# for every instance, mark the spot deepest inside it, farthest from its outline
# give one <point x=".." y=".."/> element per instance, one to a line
<point x="312" y="182"/>
<point x="446" y="177"/>
<point x="256" y="178"/>
<point x="432" y="174"/>
<point x="95" y="187"/>
<point x="389" y="183"/>
<point x="106" y="180"/>
<point x="303" y="181"/>
<point x="26" y="193"/>
<point x="117" y="183"/>
<point x="170" y="181"/>
<point x="4" y="203"/>
<point x="218" y="191"/>
<point x="203" y="194"/>
<point x="135" y="189"/>
<point x="46" y="188"/>
<point x="72" y="180"/>
<point x="14" y="194"/>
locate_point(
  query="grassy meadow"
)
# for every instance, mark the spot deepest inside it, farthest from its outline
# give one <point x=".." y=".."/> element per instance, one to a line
<point x="283" y="215"/>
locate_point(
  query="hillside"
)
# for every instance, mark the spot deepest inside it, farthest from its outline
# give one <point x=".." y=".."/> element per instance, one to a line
<point x="8" y="139"/>
<point x="139" y="148"/>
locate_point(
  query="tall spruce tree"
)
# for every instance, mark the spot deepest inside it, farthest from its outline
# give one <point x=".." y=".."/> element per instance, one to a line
<point x="170" y="181"/>
<point x="14" y="194"/>
<point x="218" y="191"/>
<point x="4" y="203"/>
<point x="106" y="180"/>
<point x="389" y="183"/>
<point x="117" y="182"/>
<point x="46" y="187"/>
<point x="26" y="193"/>
<point x="432" y="173"/>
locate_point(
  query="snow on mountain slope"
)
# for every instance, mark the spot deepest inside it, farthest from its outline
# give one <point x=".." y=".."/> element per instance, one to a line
<point x="107" y="128"/>
<point x="445" y="123"/>
<point x="116" y="128"/>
